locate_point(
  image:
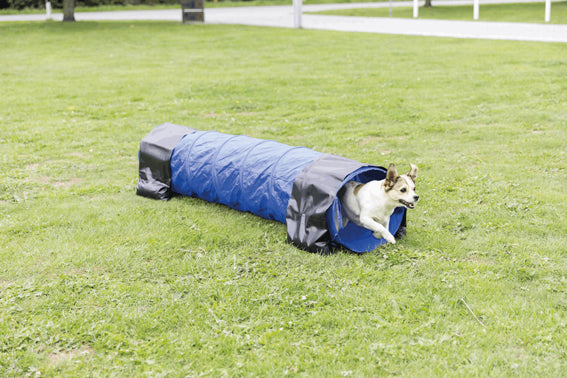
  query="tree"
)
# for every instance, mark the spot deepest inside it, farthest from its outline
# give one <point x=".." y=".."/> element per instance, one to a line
<point x="68" y="10"/>
<point x="427" y="4"/>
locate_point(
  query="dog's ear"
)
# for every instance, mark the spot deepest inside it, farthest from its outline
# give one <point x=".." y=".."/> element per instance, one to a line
<point x="391" y="176"/>
<point x="412" y="174"/>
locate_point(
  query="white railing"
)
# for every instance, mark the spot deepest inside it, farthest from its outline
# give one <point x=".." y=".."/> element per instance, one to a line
<point x="297" y="12"/>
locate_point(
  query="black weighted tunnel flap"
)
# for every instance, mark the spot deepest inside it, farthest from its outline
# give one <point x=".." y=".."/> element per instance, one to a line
<point x="154" y="158"/>
<point x="313" y="192"/>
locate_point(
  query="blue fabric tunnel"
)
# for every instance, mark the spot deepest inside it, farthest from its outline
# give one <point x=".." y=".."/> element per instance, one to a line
<point x="244" y="173"/>
<point x="292" y="185"/>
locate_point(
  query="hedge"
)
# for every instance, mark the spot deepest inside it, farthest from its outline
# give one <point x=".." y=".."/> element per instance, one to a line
<point x="21" y="4"/>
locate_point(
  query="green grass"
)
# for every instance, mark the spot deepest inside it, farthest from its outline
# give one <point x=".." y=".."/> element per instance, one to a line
<point x="96" y="281"/>
<point x="521" y="12"/>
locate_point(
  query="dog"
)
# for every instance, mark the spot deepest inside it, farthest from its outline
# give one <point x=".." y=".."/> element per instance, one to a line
<point x="370" y="205"/>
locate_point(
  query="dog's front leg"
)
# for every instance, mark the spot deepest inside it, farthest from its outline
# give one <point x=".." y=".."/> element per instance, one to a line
<point x="379" y="231"/>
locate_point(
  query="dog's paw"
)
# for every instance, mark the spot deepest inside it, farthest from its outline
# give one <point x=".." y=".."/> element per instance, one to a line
<point x="389" y="237"/>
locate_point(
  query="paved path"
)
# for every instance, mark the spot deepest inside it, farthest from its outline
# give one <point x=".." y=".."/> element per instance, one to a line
<point x="282" y="16"/>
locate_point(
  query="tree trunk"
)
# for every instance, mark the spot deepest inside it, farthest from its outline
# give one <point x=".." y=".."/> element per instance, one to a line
<point x="428" y="4"/>
<point x="68" y="10"/>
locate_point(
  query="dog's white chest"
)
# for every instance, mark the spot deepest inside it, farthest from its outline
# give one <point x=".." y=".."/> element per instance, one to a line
<point x="375" y="208"/>
<point x="368" y="201"/>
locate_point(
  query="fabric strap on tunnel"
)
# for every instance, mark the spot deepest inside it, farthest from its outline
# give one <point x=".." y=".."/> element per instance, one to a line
<point x="155" y="153"/>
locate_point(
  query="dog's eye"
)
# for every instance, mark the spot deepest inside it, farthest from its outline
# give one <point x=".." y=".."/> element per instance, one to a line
<point x="403" y="190"/>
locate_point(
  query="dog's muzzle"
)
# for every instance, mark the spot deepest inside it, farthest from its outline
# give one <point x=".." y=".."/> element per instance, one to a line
<point x="409" y="205"/>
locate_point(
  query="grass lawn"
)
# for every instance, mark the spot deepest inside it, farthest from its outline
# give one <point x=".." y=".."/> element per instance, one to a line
<point x="521" y="12"/>
<point x="96" y="281"/>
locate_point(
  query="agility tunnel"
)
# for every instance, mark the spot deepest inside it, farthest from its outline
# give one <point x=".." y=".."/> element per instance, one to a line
<point x="293" y="185"/>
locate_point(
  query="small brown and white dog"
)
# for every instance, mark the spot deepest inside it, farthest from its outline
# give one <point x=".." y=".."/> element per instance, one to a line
<point x="370" y="205"/>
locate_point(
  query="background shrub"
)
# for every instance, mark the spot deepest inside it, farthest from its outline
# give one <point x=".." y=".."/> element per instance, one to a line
<point x="22" y="4"/>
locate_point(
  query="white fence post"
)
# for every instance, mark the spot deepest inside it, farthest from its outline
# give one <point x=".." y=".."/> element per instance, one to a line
<point x="547" y="10"/>
<point x="297" y="13"/>
<point x="475" y="10"/>
<point x="48" y="9"/>
<point x="415" y="8"/>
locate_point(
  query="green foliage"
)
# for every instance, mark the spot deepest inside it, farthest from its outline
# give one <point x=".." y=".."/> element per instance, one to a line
<point x="58" y="4"/>
<point x="97" y="281"/>
<point x="22" y="4"/>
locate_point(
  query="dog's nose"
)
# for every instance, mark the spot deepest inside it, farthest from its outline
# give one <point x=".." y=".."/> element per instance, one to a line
<point x="416" y="197"/>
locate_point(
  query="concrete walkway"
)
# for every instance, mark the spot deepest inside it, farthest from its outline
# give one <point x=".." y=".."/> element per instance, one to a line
<point x="282" y="16"/>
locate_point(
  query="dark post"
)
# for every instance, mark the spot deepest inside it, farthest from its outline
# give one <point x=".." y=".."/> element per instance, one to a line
<point x="193" y="11"/>
<point x="68" y="10"/>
